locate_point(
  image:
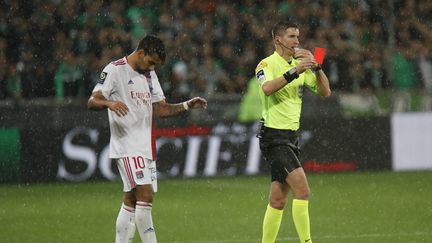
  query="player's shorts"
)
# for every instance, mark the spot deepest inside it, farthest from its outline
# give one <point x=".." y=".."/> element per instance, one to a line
<point x="280" y="151"/>
<point x="137" y="170"/>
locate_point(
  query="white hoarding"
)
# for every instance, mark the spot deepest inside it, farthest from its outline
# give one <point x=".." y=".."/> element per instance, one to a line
<point x="411" y="141"/>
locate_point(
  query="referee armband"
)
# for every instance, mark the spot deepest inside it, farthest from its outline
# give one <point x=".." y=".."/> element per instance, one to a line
<point x="291" y="75"/>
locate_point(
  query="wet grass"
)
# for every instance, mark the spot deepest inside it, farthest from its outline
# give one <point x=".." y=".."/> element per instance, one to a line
<point x="353" y="207"/>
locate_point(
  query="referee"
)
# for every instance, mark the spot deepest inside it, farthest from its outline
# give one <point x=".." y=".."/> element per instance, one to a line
<point x="282" y="77"/>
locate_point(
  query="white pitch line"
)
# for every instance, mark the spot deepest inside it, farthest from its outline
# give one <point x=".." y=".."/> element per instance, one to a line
<point x="376" y="235"/>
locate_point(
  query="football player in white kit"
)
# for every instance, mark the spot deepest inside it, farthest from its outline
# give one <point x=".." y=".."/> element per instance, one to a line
<point x="130" y="89"/>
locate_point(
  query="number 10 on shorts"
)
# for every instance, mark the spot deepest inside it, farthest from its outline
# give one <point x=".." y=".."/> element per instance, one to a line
<point x="138" y="162"/>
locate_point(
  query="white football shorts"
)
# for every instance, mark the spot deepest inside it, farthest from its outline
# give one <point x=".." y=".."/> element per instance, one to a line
<point x="137" y="170"/>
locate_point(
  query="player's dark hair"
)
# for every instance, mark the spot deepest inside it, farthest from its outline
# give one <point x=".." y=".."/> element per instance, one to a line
<point x="152" y="45"/>
<point x="281" y="26"/>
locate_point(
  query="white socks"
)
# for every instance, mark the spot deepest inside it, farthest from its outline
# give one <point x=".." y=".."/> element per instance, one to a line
<point x="125" y="225"/>
<point x="128" y="217"/>
<point x="144" y="222"/>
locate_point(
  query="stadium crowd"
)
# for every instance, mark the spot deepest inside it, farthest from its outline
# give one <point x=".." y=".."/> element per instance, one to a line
<point x="54" y="48"/>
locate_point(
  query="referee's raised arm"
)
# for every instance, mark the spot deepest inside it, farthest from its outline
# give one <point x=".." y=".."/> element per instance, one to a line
<point x="323" y="83"/>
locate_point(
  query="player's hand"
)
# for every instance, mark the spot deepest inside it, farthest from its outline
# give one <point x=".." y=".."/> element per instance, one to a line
<point x="118" y="107"/>
<point x="197" y="102"/>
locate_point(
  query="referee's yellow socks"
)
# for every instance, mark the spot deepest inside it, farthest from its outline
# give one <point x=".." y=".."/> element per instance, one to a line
<point x="300" y="213"/>
<point x="271" y="224"/>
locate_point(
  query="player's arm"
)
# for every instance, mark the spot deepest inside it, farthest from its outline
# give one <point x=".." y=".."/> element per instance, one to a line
<point x="164" y="109"/>
<point x="98" y="102"/>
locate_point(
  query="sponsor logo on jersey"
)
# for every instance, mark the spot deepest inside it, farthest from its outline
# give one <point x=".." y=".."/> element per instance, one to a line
<point x="130" y="82"/>
<point x="260" y="76"/>
<point x="141" y="98"/>
<point x="102" y="77"/>
<point x="139" y="174"/>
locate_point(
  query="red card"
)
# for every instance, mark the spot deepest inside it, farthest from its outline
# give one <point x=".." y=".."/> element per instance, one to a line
<point x="319" y="54"/>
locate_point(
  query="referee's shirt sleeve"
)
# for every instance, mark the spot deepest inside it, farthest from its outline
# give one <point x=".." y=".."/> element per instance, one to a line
<point x="310" y="81"/>
<point x="263" y="73"/>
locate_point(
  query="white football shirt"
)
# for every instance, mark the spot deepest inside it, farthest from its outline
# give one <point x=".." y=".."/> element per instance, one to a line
<point x="130" y="134"/>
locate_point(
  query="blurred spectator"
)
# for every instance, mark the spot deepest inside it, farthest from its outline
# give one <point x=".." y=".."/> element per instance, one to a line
<point x="405" y="68"/>
<point x="405" y="76"/>
<point x="211" y="76"/>
<point x="3" y="78"/>
<point x="425" y="67"/>
<point x="375" y="77"/>
<point x="178" y="87"/>
<point x="92" y="69"/>
<point x="69" y="77"/>
<point x="13" y="82"/>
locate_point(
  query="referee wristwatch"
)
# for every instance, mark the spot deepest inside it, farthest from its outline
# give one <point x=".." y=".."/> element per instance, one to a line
<point x="317" y="68"/>
<point x="291" y="75"/>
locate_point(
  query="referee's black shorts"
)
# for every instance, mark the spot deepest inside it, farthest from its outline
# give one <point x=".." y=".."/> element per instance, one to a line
<point x="280" y="150"/>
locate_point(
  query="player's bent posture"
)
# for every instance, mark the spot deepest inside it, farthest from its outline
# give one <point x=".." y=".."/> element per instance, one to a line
<point x="282" y="77"/>
<point x="130" y="89"/>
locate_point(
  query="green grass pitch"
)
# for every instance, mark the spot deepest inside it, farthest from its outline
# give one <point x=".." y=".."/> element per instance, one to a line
<point x="349" y="207"/>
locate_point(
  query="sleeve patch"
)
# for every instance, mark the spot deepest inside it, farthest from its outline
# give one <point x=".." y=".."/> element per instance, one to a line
<point x="102" y="77"/>
<point x="260" y="76"/>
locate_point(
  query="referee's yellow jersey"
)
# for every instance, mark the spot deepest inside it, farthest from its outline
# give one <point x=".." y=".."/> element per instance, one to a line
<point x="281" y="110"/>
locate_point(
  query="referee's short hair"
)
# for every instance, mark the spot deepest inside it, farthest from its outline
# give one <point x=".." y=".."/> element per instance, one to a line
<point x="152" y="45"/>
<point x="281" y="26"/>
